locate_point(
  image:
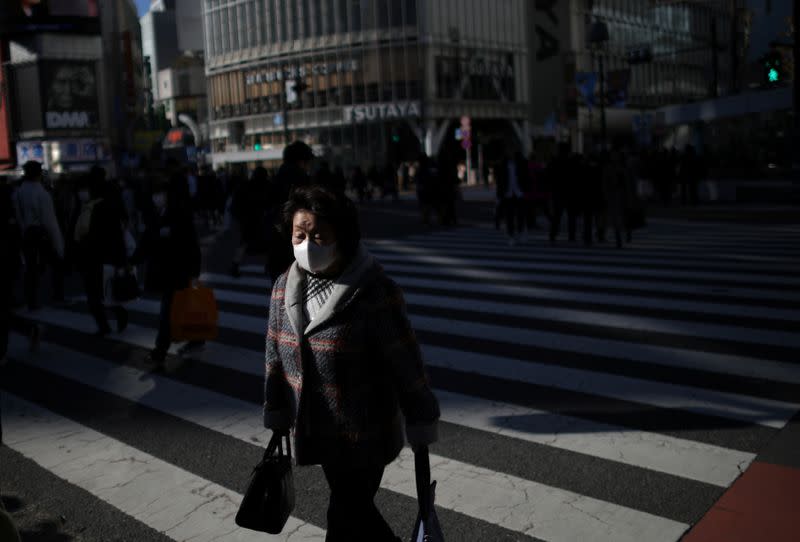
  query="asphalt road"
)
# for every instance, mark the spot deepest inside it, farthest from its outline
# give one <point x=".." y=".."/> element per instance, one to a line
<point x="587" y="394"/>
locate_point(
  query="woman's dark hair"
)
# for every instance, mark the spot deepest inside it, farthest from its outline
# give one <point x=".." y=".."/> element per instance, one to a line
<point x="334" y="208"/>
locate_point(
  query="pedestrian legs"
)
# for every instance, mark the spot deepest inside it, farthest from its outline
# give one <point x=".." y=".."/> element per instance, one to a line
<point x="32" y="271"/>
<point x="352" y="514"/>
<point x="92" y="274"/>
<point x="164" y="336"/>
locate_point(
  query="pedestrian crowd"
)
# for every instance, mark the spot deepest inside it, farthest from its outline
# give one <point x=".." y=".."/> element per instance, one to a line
<point x="343" y="369"/>
<point x="598" y="192"/>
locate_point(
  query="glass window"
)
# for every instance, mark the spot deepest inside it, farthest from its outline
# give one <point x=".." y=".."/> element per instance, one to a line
<point x="342" y="14"/>
<point x="382" y="14"/>
<point x="306" y="19"/>
<point x="284" y="22"/>
<point x="395" y="13"/>
<point x="411" y="12"/>
<point x="355" y="16"/>
<point x="294" y="20"/>
<point x="331" y="15"/>
<point x="317" y="7"/>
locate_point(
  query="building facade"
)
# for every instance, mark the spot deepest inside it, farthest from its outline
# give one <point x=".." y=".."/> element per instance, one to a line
<point x="367" y="82"/>
<point x="688" y="50"/>
<point x="72" y="84"/>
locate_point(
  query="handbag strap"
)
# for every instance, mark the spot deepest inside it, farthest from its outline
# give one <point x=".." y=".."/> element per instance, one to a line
<point x="276" y="444"/>
<point x="422" y="470"/>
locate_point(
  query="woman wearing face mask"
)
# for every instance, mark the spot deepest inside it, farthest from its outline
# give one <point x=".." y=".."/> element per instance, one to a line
<point x="99" y="240"/>
<point x="342" y="363"/>
<point x="170" y="250"/>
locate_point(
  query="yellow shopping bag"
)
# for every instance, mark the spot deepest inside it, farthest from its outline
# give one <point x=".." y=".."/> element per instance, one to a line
<point x="194" y="315"/>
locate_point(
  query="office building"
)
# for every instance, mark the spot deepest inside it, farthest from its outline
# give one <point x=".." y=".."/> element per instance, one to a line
<point x="366" y="81"/>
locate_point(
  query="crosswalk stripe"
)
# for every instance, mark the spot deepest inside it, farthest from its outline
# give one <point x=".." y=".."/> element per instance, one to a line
<point x="764" y="281"/>
<point x="572" y="316"/>
<point x="754" y="410"/>
<point x="638" y="353"/>
<point x="688" y="238"/>
<point x="493" y="497"/>
<point x="731" y="252"/>
<point x="512" y="264"/>
<point x="529" y="253"/>
<point x="618" y="300"/>
<point x="625" y="300"/>
<point x="679" y="457"/>
<point x="606" y="319"/>
<point x="167" y="498"/>
<point x="588" y="281"/>
<point x="765" y="412"/>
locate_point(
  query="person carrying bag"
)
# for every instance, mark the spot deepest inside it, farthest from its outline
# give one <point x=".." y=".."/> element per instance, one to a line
<point x="269" y="499"/>
<point x="343" y="367"/>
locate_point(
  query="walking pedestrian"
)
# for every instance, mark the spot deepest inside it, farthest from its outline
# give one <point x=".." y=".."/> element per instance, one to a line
<point x="359" y="183"/>
<point x="293" y="174"/>
<point x="11" y="253"/>
<point x="562" y="175"/>
<point x="689" y="174"/>
<point x="170" y="249"/>
<point x="618" y="186"/>
<point x="342" y="363"/>
<point x="425" y="182"/>
<point x="41" y="237"/>
<point x="100" y="241"/>
<point x="250" y="210"/>
<point x="511" y="186"/>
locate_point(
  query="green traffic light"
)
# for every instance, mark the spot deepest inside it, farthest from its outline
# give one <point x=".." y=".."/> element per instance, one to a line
<point x="773" y="76"/>
<point x="257" y="146"/>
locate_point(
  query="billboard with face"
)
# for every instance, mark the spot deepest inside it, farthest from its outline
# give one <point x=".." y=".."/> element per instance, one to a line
<point x="19" y="16"/>
<point x="69" y="95"/>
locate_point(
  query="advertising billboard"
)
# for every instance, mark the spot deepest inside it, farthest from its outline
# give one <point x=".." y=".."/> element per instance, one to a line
<point x="69" y="95"/>
<point x="22" y="16"/>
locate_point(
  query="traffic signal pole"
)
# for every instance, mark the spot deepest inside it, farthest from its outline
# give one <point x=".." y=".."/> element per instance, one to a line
<point x="796" y="83"/>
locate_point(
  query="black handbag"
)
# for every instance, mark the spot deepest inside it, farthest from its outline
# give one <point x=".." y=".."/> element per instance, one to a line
<point x="269" y="499"/>
<point x="426" y="527"/>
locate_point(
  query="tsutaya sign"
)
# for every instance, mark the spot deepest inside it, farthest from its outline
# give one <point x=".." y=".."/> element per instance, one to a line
<point x="382" y="111"/>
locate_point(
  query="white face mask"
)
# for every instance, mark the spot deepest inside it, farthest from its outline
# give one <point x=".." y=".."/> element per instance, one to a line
<point x="83" y="196"/>
<point x="160" y="201"/>
<point x="314" y="258"/>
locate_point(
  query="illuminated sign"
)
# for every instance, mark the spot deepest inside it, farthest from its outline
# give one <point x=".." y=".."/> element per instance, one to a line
<point x="382" y="111"/>
<point x="293" y="72"/>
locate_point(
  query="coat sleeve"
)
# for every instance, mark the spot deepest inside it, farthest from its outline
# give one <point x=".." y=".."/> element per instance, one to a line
<point x="399" y="349"/>
<point x="50" y="223"/>
<point x="277" y="409"/>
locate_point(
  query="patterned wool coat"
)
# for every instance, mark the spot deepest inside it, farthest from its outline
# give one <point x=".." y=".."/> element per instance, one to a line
<point x="345" y="381"/>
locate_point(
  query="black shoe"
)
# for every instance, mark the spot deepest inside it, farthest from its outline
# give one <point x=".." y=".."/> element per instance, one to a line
<point x="102" y="332"/>
<point x="122" y="320"/>
<point x="235" y="271"/>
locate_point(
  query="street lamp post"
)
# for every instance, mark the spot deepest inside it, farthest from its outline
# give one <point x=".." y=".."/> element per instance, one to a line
<point x="598" y="37"/>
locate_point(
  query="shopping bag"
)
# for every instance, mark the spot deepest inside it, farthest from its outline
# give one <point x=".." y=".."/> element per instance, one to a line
<point x="426" y="527"/>
<point x="194" y="315"/>
<point x="269" y="499"/>
<point x="120" y="285"/>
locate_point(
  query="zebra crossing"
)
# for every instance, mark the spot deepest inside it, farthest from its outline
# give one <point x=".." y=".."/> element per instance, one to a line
<point x="586" y="393"/>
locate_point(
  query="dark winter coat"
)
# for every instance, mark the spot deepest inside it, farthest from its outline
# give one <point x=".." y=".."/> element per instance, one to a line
<point x="170" y="249"/>
<point x="343" y="381"/>
<point x="10" y="236"/>
<point x="105" y="241"/>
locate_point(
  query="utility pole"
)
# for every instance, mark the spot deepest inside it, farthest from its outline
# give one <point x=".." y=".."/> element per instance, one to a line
<point x="796" y="81"/>
<point x="603" y="130"/>
<point x="714" y="91"/>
